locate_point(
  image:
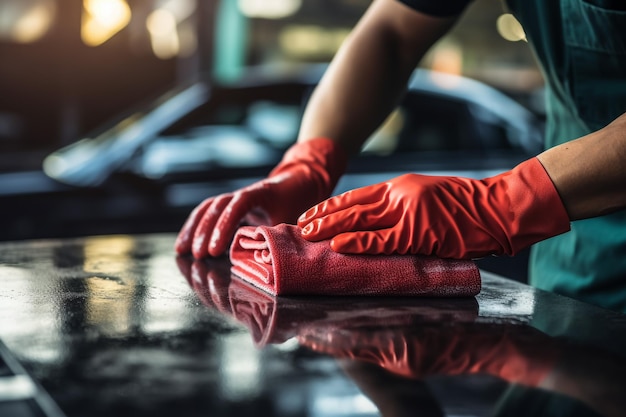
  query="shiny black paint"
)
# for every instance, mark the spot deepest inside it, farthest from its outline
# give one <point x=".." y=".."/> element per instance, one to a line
<point x="118" y="325"/>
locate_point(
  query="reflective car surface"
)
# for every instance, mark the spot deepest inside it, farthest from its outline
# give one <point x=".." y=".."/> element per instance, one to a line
<point x="119" y="326"/>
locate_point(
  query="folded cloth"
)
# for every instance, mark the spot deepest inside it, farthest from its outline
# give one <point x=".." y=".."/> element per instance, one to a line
<point x="279" y="261"/>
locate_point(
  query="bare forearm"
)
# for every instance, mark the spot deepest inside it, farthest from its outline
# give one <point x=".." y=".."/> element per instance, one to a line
<point x="590" y="173"/>
<point x="369" y="73"/>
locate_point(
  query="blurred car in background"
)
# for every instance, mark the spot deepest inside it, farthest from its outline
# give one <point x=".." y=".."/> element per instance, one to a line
<point x="146" y="171"/>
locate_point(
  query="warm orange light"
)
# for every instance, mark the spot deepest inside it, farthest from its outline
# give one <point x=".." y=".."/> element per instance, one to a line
<point x="311" y="41"/>
<point x="510" y="28"/>
<point x="102" y="19"/>
<point x="163" y="33"/>
<point x="34" y="23"/>
<point x="269" y="9"/>
<point x="172" y="33"/>
<point x="447" y="58"/>
<point x="161" y="22"/>
<point x="26" y="21"/>
<point x="109" y="301"/>
<point x="181" y="9"/>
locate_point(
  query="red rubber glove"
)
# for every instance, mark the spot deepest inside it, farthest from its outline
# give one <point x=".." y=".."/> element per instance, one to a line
<point x="306" y="175"/>
<point x="449" y="217"/>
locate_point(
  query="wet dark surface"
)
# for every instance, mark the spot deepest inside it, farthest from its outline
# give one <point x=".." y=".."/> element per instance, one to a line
<point x="118" y="326"/>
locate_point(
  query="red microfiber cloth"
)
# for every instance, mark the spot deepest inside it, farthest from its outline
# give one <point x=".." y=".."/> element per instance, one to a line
<point x="279" y="261"/>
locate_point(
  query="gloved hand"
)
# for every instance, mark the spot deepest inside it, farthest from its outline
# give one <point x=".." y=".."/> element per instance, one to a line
<point x="449" y="217"/>
<point x="306" y="175"/>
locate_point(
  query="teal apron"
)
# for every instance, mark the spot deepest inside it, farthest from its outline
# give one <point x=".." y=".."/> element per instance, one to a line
<point x="581" y="47"/>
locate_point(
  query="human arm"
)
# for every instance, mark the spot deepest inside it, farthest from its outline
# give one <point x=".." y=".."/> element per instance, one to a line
<point x="465" y="218"/>
<point x="369" y="73"/>
<point x="357" y="92"/>
<point x="590" y="172"/>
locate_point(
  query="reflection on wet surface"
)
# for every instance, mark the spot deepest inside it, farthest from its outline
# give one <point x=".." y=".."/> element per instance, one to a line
<point x="119" y="326"/>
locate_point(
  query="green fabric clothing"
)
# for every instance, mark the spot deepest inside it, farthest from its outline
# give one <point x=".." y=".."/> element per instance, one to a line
<point x="581" y="47"/>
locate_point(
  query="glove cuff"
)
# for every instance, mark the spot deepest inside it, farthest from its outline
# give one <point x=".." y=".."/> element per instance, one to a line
<point x="536" y="205"/>
<point x="324" y="160"/>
